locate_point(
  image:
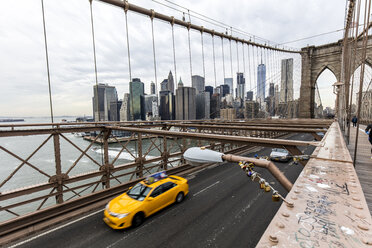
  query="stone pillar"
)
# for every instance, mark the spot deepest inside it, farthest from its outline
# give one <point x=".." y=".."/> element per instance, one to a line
<point x="306" y="90"/>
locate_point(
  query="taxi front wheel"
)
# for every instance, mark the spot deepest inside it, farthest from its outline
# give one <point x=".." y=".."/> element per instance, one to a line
<point x="137" y="220"/>
<point x="179" y="197"/>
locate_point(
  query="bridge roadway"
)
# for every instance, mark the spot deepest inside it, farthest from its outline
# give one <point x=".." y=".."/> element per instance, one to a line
<point x="223" y="209"/>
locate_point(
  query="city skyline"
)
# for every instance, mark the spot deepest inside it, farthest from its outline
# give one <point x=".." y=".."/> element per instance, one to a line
<point x="23" y="73"/>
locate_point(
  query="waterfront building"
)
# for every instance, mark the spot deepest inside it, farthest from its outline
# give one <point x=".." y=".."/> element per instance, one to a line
<point x="198" y="83"/>
<point x="261" y="80"/>
<point x="125" y="108"/>
<point x="149" y="99"/>
<point x="152" y="88"/>
<point x="249" y="95"/>
<point x="103" y="96"/>
<point x="209" y="89"/>
<point x="164" y="85"/>
<point x="229" y="82"/>
<point x="171" y="82"/>
<point x="136" y="89"/>
<point x="224" y="90"/>
<point x="185" y="103"/>
<point x="240" y="85"/>
<point x="166" y="107"/>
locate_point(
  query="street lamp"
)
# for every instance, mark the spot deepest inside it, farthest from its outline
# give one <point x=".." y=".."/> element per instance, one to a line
<point x="199" y="155"/>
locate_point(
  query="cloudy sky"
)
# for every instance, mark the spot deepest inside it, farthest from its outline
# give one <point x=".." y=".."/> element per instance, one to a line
<point x="23" y="76"/>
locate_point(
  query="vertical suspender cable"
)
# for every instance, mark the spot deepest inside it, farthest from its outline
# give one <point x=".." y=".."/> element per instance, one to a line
<point x="174" y="50"/>
<point x="95" y="61"/>
<point x="237" y="55"/>
<point x="231" y="66"/>
<point x="249" y="70"/>
<point x="202" y="42"/>
<point x="153" y="45"/>
<point x="214" y="63"/>
<point x="188" y="35"/>
<point x="95" y="72"/>
<point x="126" y="6"/>
<point x="244" y="61"/>
<point x="127" y="31"/>
<point x="223" y="59"/>
<point x="47" y="63"/>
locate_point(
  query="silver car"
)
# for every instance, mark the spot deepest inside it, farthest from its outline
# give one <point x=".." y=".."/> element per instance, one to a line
<point x="279" y="154"/>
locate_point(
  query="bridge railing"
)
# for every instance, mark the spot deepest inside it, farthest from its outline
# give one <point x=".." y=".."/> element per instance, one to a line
<point x="78" y="168"/>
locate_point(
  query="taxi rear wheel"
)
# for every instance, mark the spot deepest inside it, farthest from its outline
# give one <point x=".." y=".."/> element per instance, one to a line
<point x="179" y="197"/>
<point x="137" y="220"/>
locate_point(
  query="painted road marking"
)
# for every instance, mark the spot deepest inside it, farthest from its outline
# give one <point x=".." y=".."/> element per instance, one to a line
<point x="55" y="229"/>
<point x="210" y="186"/>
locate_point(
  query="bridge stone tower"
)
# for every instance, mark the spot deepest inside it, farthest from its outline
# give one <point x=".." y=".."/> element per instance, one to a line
<point x="315" y="60"/>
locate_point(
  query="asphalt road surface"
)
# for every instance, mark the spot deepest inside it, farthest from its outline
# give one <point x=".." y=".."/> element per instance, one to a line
<point x="223" y="209"/>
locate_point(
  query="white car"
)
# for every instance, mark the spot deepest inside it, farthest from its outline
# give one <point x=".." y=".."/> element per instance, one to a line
<point x="279" y="154"/>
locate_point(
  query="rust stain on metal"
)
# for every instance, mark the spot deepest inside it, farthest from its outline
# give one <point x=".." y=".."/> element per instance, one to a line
<point x="330" y="209"/>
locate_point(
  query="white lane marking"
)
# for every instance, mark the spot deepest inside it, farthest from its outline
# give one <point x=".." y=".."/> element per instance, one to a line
<point x="201" y="191"/>
<point x="55" y="229"/>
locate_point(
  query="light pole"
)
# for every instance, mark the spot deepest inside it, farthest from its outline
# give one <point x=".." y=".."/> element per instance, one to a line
<point x="199" y="155"/>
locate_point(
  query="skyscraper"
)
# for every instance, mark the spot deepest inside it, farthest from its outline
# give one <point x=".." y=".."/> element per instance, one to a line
<point x="185" y="103"/>
<point x="261" y="80"/>
<point x="125" y="108"/>
<point x="286" y="85"/>
<point x="153" y="89"/>
<point x="249" y="95"/>
<point x="271" y="89"/>
<point x="164" y="85"/>
<point x="166" y="107"/>
<point x="149" y="99"/>
<point x="241" y="85"/>
<point x="106" y="95"/>
<point x="209" y="89"/>
<point x="171" y="82"/>
<point x="224" y="89"/>
<point x="136" y="89"/>
<point x="198" y="83"/>
<point x="229" y="82"/>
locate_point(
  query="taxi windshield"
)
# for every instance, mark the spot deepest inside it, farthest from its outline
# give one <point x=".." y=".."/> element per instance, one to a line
<point x="139" y="192"/>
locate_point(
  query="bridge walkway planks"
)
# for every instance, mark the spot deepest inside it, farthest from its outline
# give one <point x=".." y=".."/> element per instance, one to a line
<point x="363" y="164"/>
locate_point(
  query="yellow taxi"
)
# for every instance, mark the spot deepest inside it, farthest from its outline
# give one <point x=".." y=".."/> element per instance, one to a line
<point x="144" y="199"/>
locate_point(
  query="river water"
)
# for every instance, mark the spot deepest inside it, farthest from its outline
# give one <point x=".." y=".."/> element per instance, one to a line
<point x="24" y="146"/>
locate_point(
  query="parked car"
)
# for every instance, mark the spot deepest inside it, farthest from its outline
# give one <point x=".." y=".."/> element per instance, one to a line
<point x="279" y="154"/>
<point x="144" y="199"/>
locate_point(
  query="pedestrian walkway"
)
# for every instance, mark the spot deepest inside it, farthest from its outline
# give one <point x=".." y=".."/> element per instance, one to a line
<point x="363" y="165"/>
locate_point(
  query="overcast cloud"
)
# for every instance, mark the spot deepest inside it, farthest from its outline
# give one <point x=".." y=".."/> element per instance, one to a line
<point x="23" y="77"/>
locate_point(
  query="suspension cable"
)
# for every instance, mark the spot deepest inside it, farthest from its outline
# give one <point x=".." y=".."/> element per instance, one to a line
<point x="214" y="63"/>
<point x="249" y="70"/>
<point x="188" y="35"/>
<point x="243" y="60"/>
<point x="127" y="31"/>
<point x="202" y="43"/>
<point x="95" y="60"/>
<point x="153" y="48"/>
<point x="223" y="59"/>
<point x="47" y="63"/>
<point x="237" y="55"/>
<point x="174" y="50"/>
<point x="231" y="69"/>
